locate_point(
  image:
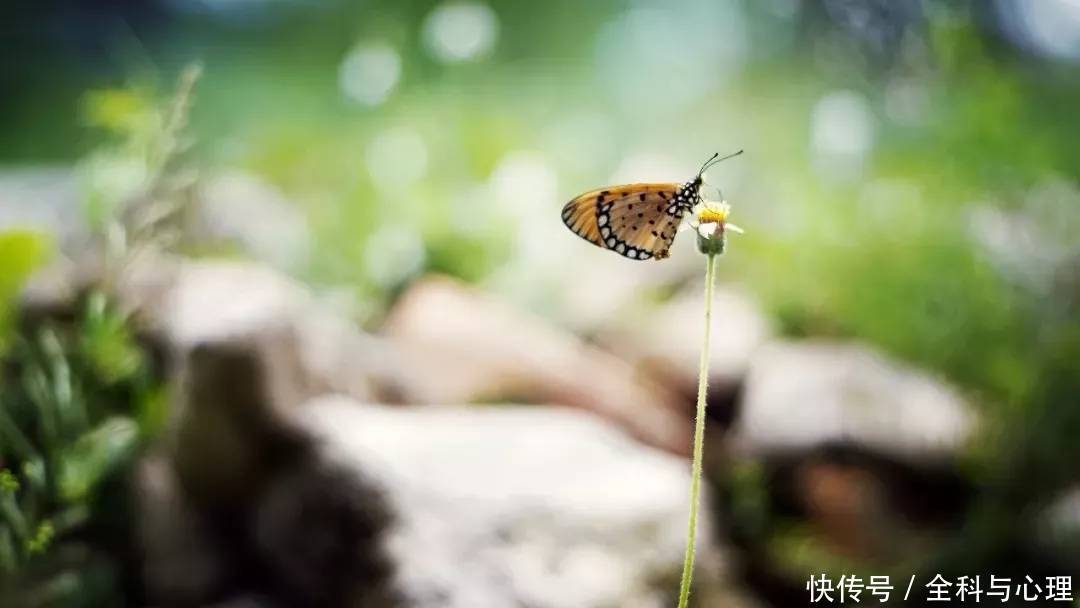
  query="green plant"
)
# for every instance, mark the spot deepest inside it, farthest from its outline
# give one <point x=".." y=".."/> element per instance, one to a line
<point x="81" y="398"/>
<point x="76" y="403"/>
<point x="711" y="226"/>
<point x="20" y="253"/>
<point x="138" y="184"/>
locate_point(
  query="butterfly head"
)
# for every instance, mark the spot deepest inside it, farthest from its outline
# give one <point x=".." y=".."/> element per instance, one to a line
<point x="692" y="188"/>
<point x="687" y="196"/>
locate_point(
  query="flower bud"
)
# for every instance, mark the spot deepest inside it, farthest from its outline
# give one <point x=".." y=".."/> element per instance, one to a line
<point x="712" y="244"/>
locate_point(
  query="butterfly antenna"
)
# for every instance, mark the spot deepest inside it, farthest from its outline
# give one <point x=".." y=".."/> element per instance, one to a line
<point x="715" y="158"/>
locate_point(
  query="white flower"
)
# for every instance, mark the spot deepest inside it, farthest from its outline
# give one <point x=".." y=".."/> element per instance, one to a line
<point x="709" y="219"/>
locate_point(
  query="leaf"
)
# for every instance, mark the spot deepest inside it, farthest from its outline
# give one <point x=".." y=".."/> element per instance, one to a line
<point x="8" y="483"/>
<point x="41" y="539"/>
<point x="8" y="557"/>
<point x="107" y="342"/>
<point x="118" y="111"/>
<point x="96" y="455"/>
<point x="21" y="252"/>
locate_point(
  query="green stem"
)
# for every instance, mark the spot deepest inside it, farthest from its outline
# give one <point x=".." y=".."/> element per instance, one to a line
<point x="699" y="439"/>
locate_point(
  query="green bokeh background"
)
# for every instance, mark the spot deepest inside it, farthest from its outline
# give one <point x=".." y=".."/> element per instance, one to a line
<point x="935" y="215"/>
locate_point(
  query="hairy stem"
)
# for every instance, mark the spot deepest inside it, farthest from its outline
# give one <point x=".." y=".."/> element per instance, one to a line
<point x="699" y="439"/>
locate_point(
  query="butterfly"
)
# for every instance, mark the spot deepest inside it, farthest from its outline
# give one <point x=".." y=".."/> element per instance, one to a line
<point x="638" y="221"/>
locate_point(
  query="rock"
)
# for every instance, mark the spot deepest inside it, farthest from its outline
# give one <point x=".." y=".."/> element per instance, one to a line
<point x="604" y="288"/>
<point x="312" y="349"/>
<point x="338" y="503"/>
<point x="181" y="558"/>
<point x="522" y="506"/>
<point x="178" y="305"/>
<point x="857" y="448"/>
<point x="249" y="503"/>
<point x="666" y="340"/>
<point x="462" y="346"/>
<point x="799" y="395"/>
<point x="869" y="507"/>
<point x="224" y="210"/>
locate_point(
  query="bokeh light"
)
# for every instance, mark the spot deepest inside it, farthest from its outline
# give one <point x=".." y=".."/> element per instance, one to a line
<point x="459" y="31"/>
<point x="841" y="133"/>
<point x="397" y="159"/>
<point x="369" y="73"/>
<point x="1051" y="27"/>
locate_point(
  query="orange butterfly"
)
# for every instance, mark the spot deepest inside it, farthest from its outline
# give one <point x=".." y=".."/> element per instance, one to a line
<point x="638" y="221"/>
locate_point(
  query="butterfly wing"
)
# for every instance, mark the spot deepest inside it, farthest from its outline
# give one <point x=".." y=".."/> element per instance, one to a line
<point x="638" y="221"/>
<point x="579" y="215"/>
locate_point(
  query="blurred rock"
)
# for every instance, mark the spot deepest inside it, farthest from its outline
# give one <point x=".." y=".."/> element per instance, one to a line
<point x="799" y="395"/>
<point x="248" y="502"/>
<point x="312" y="349"/>
<point x="666" y="341"/>
<point x="603" y="288"/>
<point x="224" y="212"/>
<point x="522" y="506"/>
<point x="834" y="506"/>
<point x="871" y="507"/>
<point x="844" y="503"/>
<point x="340" y="503"/>
<point x="178" y="304"/>
<point x="462" y="346"/>
<point x="670" y="341"/>
<point x="859" y="449"/>
<point x="181" y="558"/>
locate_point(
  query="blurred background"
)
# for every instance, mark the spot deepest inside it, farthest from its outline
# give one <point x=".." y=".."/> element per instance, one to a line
<point x="289" y="317"/>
